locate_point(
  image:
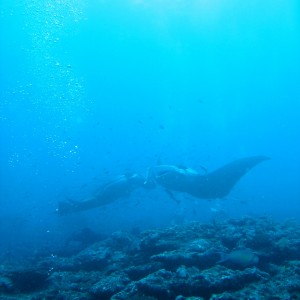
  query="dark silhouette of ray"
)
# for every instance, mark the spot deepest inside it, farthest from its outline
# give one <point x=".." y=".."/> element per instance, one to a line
<point x="220" y="182"/>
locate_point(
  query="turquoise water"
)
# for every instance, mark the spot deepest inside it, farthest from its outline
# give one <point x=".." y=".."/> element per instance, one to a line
<point x="92" y="90"/>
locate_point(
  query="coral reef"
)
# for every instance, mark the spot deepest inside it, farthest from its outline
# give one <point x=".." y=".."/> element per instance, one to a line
<point x="175" y="263"/>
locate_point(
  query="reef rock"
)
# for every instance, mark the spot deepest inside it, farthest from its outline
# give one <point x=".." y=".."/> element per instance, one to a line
<point x="176" y="263"/>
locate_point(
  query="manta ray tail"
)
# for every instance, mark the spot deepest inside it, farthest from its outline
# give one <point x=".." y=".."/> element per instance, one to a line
<point x="219" y="183"/>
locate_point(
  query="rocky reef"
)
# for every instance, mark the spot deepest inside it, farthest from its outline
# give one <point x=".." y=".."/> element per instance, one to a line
<point x="247" y="258"/>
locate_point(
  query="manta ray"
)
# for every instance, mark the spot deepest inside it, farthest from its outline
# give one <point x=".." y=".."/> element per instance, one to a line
<point x="212" y="185"/>
<point x="120" y="187"/>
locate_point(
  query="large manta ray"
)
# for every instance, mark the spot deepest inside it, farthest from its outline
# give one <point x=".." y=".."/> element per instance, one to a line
<point x="216" y="184"/>
<point x="212" y="185"/>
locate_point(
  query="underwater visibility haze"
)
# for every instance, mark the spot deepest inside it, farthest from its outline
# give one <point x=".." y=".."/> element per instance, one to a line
<point x="94" y="90"/>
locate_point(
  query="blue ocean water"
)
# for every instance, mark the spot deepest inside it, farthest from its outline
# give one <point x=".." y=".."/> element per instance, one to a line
<point x="93" y="90"/>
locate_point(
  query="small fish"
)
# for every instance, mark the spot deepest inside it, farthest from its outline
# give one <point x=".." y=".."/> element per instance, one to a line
<point x="240" y="257"/>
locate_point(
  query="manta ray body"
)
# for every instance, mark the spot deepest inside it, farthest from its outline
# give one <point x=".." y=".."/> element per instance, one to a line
<point x="216" y="184"/>
<point x="212" y="185"/>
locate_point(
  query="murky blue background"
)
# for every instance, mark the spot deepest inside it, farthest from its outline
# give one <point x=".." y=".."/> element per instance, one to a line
<point x="92" y="89"/>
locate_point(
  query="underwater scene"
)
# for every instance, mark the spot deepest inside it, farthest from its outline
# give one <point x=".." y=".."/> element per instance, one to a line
<point x="149" y="149"/>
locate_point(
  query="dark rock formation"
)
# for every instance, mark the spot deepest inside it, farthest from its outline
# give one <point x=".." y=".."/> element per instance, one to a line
<point x="176" y="263"/>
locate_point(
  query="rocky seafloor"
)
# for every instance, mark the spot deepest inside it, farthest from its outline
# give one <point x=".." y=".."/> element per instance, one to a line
<point x="179" y="262"/>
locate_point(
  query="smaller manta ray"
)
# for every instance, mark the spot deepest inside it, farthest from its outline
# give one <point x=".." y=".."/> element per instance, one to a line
<point x="213" y="185"/>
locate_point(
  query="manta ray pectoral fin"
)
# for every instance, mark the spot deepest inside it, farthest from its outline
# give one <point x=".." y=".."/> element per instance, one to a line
<point x="219" y="183"/>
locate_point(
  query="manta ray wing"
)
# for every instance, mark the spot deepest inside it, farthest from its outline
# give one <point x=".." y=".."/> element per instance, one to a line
<point x="219" y="183"/>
